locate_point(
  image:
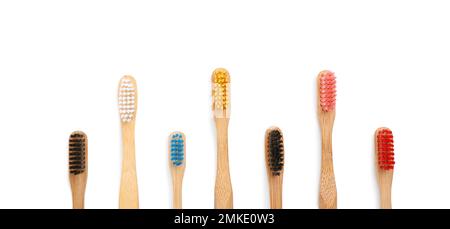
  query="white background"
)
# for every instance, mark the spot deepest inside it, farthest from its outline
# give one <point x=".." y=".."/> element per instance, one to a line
<point x="61" y="61"/>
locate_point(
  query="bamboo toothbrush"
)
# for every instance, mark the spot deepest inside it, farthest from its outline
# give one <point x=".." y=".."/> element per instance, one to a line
<point x="274" y="164"/>
<point x="177" y="164"/>
<point x="223" y="194"/>
<point x="127" y="109"/>
<point x="326" y="82"/>
<point x="384" y="148"/>
<point x="78" y="167"/>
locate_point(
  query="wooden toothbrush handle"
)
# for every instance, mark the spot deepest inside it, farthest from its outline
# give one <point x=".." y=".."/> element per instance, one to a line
<point x="78" y="185"/>
<point x="385" y="196"/>
<point x="77" y="200"/>
<point x="177" y="197"/>
<point x="128" y="186"/>
<point x="276" y="192"/>
<point x="223" y="194"/>
<point x="385" y="184"/>
<point x="328" y="192"/>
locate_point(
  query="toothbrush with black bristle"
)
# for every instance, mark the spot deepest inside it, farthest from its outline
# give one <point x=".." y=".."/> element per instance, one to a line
<point x="274" y="154"/>
<point x="177" y="165"/>
<point x="78" y="169"/>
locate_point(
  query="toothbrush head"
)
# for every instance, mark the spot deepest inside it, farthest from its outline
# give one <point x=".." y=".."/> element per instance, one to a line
<point x="385" y="148"/>
<point x="77" y="153"/>
<point x="221" y="93"/>
<point x="177" y="149"/>
<point x="274" y="151"/>
<point x="127" y="99"/>
<point x="327" y="91"/>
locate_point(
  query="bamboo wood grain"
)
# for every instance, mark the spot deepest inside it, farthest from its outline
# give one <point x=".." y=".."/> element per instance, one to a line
<point x="327" y="192"/>
<point x="275" y="182"/>
<point x="78" y="186"/>
<point x="128" y="186"/>
<point x="385" y="184"/>
<point x="384" y="178"/>
<point x="128" y="197"/>
<point x="177" y="177"/>
<point x="78" y="181"/>
<point x="276" y="192"/>
<point x="223" y="189"/>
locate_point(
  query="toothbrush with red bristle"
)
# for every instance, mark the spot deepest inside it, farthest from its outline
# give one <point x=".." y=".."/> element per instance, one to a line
<point x="384" y="148"/>
<point x="326" y="82"/>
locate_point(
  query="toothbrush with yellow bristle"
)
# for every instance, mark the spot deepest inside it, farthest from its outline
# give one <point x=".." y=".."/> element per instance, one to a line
<point x="326" y="82"/>
<point x="223" y="194"/>
<point x="127" y="109"/>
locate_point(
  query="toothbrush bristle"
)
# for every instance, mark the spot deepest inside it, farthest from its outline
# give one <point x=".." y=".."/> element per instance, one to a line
<point x="77" y="153"/>
<point x="275" y="154"/>
<point x="327" y="89"/>
<point x="127" y="99"/>
<point x="177" y="149"/>
<point x="221" y="89"/>
<point x="385" y="148"/>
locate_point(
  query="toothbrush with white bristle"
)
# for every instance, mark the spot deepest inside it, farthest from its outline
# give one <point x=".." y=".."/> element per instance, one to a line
<point x="127" y="109"/>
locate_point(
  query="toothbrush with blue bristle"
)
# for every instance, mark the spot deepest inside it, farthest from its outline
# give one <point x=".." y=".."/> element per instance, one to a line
<point x="177" y="164"/>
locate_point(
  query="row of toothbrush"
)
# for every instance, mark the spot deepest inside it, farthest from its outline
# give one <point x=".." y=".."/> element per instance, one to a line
<point x="274" y="150"/>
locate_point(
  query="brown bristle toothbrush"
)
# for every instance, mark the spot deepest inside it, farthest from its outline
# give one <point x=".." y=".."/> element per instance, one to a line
<point x="384" y="148"/>
<point x="326" y="87"/>
<point x="127" y="109"/>
<point x="78" y="167"/>
<point x="177" y="165"/>
<point x="223" y="194"/>
<point x="274" y="154"/>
